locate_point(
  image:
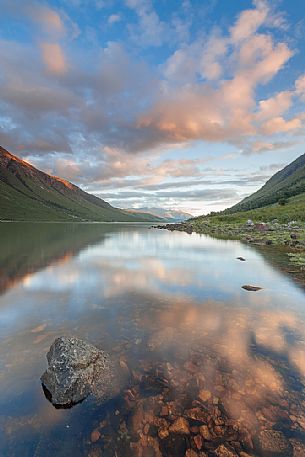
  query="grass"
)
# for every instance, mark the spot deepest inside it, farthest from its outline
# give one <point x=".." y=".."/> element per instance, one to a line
<point x="284" y="224"/>
<point x="294" y="210"/>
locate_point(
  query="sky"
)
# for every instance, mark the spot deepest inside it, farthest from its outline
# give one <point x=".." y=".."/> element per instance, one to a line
<point x="188" y="105"/>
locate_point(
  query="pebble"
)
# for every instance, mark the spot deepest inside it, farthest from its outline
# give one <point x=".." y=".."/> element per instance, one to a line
<point x="163" y="433"/>
<point x="204" y="395"/>
<point x="205" y="432"/>
<point x="224" y="451"/>
<point x="95" y="436"/>
<point x="198" y="441"/>
<point x="181" y="426"/>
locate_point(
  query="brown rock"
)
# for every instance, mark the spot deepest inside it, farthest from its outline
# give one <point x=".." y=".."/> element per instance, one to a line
<point x="163" y="433"/>
<point x="219" y="430"/>
<point x="164" y="411"/>
<point x="273" y="443"/>
<point x="196" y="414"/>
<point x="198" y="441"/>
<point x="95" y="436"/>
<point x="298" y="448"/>
<point x="191" y="453"/>
<point x="181" y="426"/>
<point x="205" y="432"/>
<point x="225" y="450"/>
<point x="146" y="428"/>
<point x="204" y="395"/>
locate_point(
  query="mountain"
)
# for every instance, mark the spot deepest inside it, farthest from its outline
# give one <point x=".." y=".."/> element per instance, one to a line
<point x="28" y="194"/>
<point x="288" y="182"/>
<point x="169" y="215"/>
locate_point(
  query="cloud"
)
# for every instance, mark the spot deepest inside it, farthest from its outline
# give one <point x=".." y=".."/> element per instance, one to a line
<point x="274" y="106"/>
<point x="280" y="125"/>
<point x="108" y="115"/>
<point x="201" y="195"/>
<point x="46" y="18"/>
<point x="113" y="18"/>
<point x="53" y="58"/>
<point x="249" y="22"/>
<point x="224" y="110"/>
<point x="262" y="146"/>
<point x="300" y="87"/>
<point x="149" y="30"/>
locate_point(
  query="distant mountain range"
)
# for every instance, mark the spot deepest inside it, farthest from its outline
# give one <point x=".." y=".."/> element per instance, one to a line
<point x="170" y="215"/>
<point x="288" y="182"/>
<point x="28" y="194"/>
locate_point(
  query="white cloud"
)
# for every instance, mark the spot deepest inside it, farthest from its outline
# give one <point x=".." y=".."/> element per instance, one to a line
<point x="113" y="18"/>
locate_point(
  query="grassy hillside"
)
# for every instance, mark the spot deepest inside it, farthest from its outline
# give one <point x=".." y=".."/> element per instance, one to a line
<point x="28" y="194"/>
<point x="282" y="225"/>
<point x="293" y="210"/>
<point x="288" y="182"/>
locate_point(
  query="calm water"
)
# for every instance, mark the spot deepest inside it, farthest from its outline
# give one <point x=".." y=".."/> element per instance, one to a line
<point x="169" y="307"/>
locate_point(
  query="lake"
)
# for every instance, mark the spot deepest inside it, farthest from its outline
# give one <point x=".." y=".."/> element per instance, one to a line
<point x="208" y="367"/>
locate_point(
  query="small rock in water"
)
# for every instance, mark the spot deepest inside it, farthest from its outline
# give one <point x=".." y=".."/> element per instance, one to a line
<point x="225" y="451"/>
<point x="241" y="259"/>
<point x="95" y="436"/>
<point x="198" y="441"/>
<point x="76" y="369"/>
<point x="251" y="288"/>
<point x="180" y="425"/>
<point x="205" y="432"/>
<point x="204" y="395"/>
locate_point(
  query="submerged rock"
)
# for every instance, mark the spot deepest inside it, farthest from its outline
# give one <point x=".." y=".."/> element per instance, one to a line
<point x="273" y="443"/>
<point x="225" y="451"/>
<point x="251" y="288"/>
<point x="77" y="369"/>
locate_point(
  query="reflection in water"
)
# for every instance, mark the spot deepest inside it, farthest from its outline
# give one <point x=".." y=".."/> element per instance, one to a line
<point x="209" y="365"/>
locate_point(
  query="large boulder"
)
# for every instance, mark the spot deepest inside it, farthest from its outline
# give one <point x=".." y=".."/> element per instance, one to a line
<point x="77" y="369"/>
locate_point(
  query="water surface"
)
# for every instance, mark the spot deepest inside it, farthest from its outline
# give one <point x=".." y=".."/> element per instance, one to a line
<point x="170" y="309"/>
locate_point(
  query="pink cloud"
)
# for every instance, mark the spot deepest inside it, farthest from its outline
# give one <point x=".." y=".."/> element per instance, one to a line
<point x="280" y="125"/>
<point x="53" y="58"/>
<point x="219" y="109"/>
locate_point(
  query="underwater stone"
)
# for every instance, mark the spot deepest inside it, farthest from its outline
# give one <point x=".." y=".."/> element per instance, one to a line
<point x="77" y="369"/>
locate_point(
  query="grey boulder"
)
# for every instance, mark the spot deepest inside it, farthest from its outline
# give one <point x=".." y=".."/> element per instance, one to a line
<point x="77" y="369"/>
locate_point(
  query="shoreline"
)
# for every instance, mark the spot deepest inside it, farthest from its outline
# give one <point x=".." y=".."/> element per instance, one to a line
<point x="289" y="238"/>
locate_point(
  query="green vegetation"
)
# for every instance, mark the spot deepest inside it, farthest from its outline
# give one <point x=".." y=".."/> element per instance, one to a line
<point x="288" y="182"/>
<point x="274" y="215"/>
<point x="293" y="210"/>
<point x="274" y="224"/>
<point x="27" y="194"/>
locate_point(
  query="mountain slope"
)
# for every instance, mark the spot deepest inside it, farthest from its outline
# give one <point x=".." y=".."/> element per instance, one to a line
<point x="28" y="194"/>
<point x="288" y="182"/>
<point x="170" y="215"/>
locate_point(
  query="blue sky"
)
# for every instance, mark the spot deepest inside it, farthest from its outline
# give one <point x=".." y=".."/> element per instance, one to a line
<point x="180" y="104"/>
